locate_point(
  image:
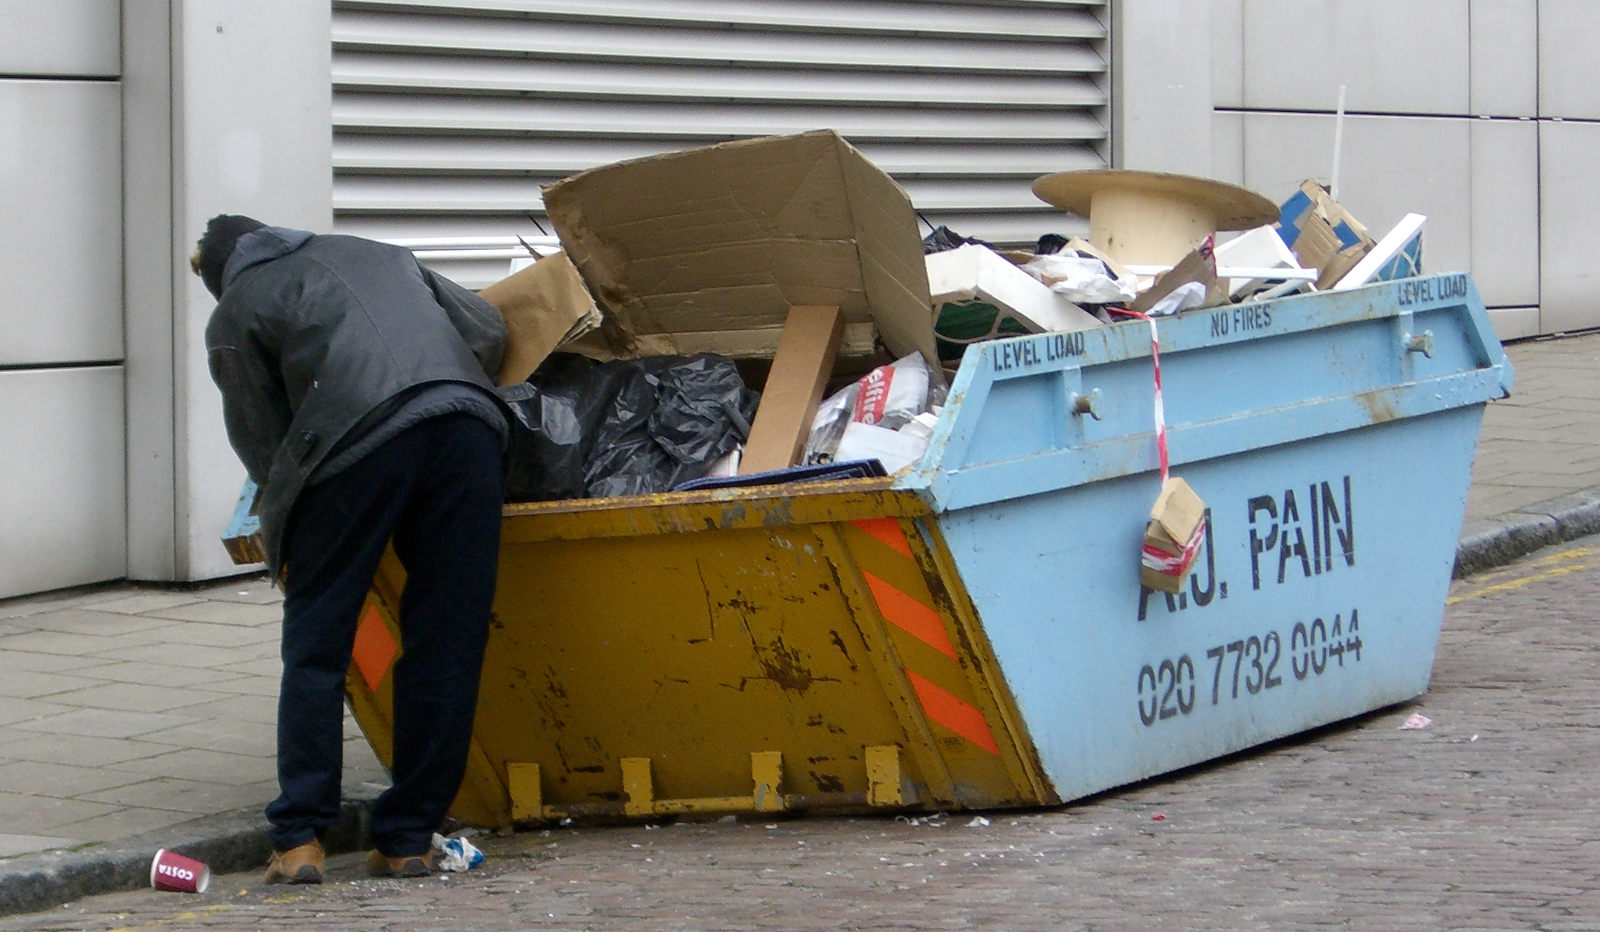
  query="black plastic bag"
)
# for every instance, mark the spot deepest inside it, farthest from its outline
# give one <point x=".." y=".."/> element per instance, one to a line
<point x="594" y="430"/>
<point x="943" y="238"/>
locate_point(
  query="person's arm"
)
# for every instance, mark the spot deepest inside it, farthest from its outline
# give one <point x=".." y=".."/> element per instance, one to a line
<point x="478" y="321"/>
<point x="255" y="405"/>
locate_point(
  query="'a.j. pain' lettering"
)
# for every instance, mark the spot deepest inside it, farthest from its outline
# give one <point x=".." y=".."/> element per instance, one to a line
<point x="1305" y="529"/>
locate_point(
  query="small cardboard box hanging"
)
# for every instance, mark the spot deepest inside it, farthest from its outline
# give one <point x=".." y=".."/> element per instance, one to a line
<point x="1173" y="537"/>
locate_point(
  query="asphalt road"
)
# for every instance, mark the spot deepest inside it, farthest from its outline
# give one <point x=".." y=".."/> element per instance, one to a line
<point x="1487" y="818"/>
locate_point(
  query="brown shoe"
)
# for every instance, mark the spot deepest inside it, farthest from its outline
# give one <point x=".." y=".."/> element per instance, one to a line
<point x="301" y="864"/>
<point x="411" y="865"/>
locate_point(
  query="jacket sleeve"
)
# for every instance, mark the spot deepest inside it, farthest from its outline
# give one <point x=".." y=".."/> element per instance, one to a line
<point x="255" y="405"/>
<point x="478" y="321"/>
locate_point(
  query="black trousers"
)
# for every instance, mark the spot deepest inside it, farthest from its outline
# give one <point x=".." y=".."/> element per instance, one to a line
<point x="435" y="490"/>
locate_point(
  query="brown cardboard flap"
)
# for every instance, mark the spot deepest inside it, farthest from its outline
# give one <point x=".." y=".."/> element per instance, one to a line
<point x="729" y="237"/>
<point x="543" y="305"/>
<point x="1200" y="265"/>
<point x="1178" y="510"/>
<point x="859" y="342"/>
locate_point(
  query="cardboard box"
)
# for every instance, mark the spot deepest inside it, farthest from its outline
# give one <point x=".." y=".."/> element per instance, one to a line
<point x="1397" y="255"/>
<point x="1173" y="537"/>
<point x="723" y="240"/>
<point x="1322" y="234"/>
<point x="1200" y="266"/>
<point x="800" y="370"/>
<point x="977" y="281"/>
<point x="544" y="305"/>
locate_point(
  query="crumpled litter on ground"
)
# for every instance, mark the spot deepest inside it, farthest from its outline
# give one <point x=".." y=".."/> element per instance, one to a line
<point x="456" y="854"/>
<point x="1416" y="721"/>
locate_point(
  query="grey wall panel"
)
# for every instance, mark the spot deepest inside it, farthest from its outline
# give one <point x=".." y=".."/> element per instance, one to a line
<point x="62" y="499"/>
<point x="1391" y="166"/>
<point x="1227" y="52"/>
<point x="1510" y="197"/>
<point x="1475" y="180"/>
<point x="449" y="116"/>
<point x="61" y="242"/>
<point x="1161" y="86"/>
<point x="60" y="38"/>
<point x="1569" y="32"/>
<point x="262" y="149"/>
<point x="1227" y="147"/>
<point x="1514" y="323"/>
<point x="1409" y="57"/>
<point x="1570" y="239"/>
<point x="1505" y="210"/>
<point x="1505" y="58"/>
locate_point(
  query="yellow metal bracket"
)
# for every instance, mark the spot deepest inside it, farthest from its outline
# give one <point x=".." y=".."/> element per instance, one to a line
<point x="527" y="795"/>
<point x="883" y="776"/>
<point x="766" y="768"/>
<point x="638" y="791"/>
<point x="638" y="788"/>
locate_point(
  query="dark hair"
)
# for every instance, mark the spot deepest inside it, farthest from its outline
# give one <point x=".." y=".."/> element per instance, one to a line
<point x="216" y="245"/>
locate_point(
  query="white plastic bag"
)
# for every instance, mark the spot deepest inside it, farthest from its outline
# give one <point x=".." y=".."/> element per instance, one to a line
<point x="1080" y="278"/>
<point x="829" y="424"/>
<point x="895" y="449"/>
<point x="890" y="396"/>
<point x="1182" y="298"/>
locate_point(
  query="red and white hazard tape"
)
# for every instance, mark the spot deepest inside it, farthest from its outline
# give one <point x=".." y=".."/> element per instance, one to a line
<point x="1155" y="360"/>
<point x="1175" y="564"/>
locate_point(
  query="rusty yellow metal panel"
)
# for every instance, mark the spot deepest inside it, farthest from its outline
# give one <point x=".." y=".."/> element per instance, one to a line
<point x="729" y="651"/>
<point x="369" y="690"/>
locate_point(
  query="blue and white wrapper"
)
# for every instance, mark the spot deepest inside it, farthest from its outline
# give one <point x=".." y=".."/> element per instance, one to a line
<point x="456" y="854"/>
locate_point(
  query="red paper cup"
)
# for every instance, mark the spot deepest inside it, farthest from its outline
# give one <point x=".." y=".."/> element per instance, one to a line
<point x="170" y="870"/>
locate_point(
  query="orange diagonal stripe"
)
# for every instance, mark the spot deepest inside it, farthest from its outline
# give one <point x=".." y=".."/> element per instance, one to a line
<point x="886" y="530"/>
<point x="946" y="709"/>
<point x="374" y="648"/>
<point x="910" y="616"/>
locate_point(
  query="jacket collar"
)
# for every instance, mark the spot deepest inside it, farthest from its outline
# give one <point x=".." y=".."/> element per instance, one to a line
<point x="260" y="246"/>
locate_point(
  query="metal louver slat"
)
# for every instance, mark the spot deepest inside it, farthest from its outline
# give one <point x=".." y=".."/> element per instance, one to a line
<point x="449" y="116"/>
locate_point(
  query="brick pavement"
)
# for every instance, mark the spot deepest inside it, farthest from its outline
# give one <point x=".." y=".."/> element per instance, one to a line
<point x="1484" y="820"/>
<point x="127" y="709"/>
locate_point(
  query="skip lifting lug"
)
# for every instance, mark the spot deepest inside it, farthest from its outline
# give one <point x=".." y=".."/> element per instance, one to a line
<point x="1420" y="343"/>
<point x="1087" y="404"/>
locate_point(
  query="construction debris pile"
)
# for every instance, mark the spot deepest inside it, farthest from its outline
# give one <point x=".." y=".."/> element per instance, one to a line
<point x="797" y="264"/>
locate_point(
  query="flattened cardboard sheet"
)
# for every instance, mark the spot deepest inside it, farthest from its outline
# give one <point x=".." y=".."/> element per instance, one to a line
<point x="543" y="305"/>
<point x="729" y="237"/>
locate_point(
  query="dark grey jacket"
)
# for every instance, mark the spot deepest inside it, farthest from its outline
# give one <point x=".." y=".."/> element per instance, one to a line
<point x="320" y="344"/>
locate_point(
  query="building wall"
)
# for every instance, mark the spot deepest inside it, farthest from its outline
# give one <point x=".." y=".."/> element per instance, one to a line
<point x="227" y="112"/>
<point x="62" y="493"/>
<point x="1478" y="114"/>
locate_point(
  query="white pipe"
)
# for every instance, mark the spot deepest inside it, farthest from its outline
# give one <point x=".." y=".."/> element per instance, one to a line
<point x="1338" y="146"/>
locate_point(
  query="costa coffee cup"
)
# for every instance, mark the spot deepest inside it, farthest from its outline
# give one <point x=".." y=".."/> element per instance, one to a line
<point x="170" y="870"/>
